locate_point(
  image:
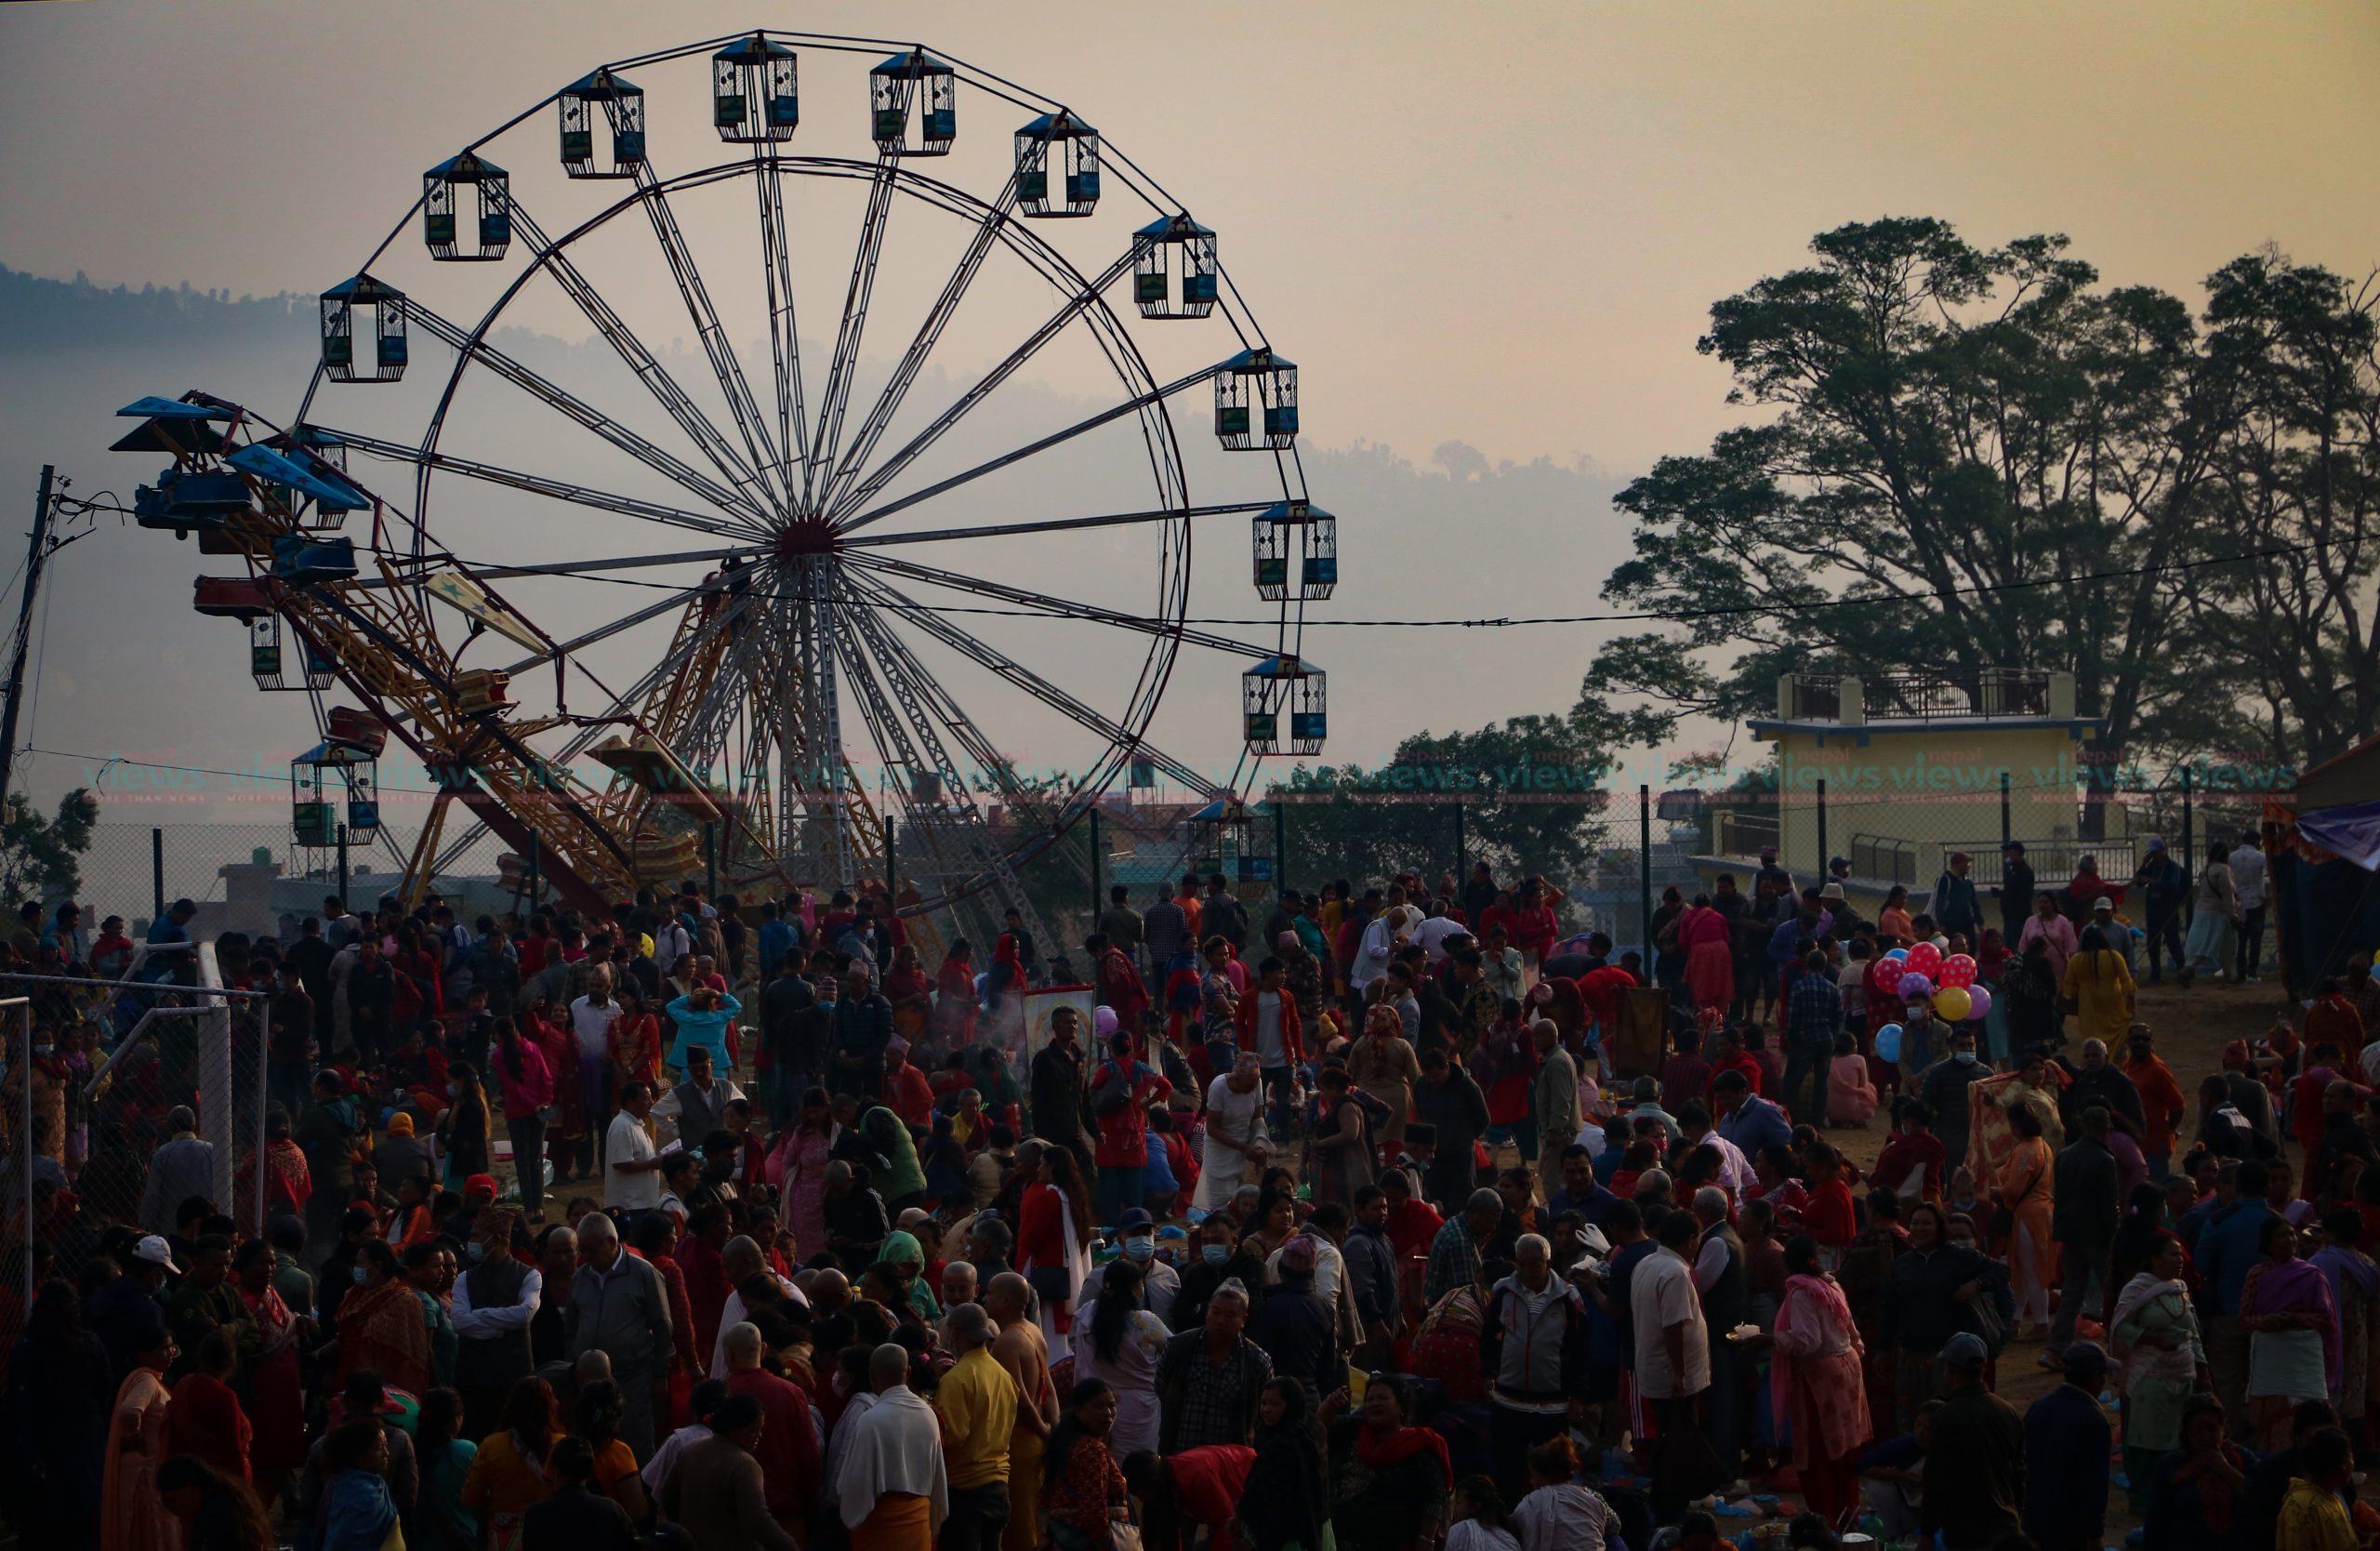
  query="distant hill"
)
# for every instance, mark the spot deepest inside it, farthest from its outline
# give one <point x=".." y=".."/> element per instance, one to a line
<point x="38" y="314"/>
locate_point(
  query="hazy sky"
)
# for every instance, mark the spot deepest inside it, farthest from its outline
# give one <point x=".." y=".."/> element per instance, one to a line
<point x="1499" y="224"/>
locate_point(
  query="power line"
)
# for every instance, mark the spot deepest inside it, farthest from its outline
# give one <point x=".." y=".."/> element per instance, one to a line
<point x="1516" y="621"/>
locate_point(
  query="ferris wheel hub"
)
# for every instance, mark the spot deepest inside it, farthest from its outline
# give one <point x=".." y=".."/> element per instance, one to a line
<point x="806" y="535"/>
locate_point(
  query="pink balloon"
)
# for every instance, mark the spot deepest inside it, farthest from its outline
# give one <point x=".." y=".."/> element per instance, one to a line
<point x="1957" y="970"/>
<point x="1925" y="959"/>
<point x="1978" y="1002"/>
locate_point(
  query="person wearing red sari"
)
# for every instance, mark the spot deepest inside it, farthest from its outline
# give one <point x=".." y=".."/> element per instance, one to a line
<point x="1815" y="1379"/>
<point x="907" y="1091"/>
<point x="1120" y="986"/>
<point x="558" y="1044"/>
<point x="381" y="1326"/>
<point x="276" y="1395"/>
<point x="1709" y="955"/>
<point x="1729" y="1056"/>
<point x="1535" y="925"/>
<point x="205" y="1418"/>
<point x="701" y="1259"/>
<point x="287" y="1182"/>
<point x="906" y="981"/>
<point x="1603" y="991"/>
<point x="633" y="1045"/>
<point x="656" y="1241"/>
<point x="1830" y="1217"/>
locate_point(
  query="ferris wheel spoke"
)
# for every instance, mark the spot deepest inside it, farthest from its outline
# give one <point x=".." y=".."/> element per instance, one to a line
<point x="668" y="465"/>
<point x="1132" y="406"/>
<point x="885" y="666"/>
<point x="652" y="611"/>
<point x="913" y="360"/>
<point x="785" y="335"/>
<point x="1009" y="669"/>
<point x="648" y="368"/>
<point x="715" y="342"/>
<point x="1062" y="524"/>
<point x="538" y="484"/>
<point x="865" y="489"/>
<point x="854" y="325"/>
<point x="1058" y="608"/>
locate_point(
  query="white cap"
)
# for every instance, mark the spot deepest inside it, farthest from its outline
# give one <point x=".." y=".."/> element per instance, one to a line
<point x="155" y="1251"/>
<point x="2103" y="903"/>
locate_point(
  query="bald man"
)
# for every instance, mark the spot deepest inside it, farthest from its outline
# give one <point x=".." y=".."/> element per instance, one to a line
<point x="978" y="1402"/>
<point x="1021" y="1349"/>
<point x="741" y="1258"/>
<point x="788" y="1449"/>
<point x="892" y="1488"/>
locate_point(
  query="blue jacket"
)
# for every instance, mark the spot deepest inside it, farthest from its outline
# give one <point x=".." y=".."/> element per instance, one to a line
<point x="1756" y="1123"/>
<point x="702" y="1028"/>
<point x="2226" y="1253"/>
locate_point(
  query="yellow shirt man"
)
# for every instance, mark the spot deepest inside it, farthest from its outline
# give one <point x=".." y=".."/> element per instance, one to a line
<point x="2313" y="1519"/>
<point x="978" y="1404"/>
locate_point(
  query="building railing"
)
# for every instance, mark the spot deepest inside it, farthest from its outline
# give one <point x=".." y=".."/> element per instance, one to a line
<point x="1988" y="692"/>
<point x="1734" y="832"/>
<point x="1882" y="858"/>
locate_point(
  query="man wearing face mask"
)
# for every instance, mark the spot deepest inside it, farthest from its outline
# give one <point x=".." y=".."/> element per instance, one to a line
<point x="1160" y="1283"/>
<point x="1944" y="1085"/>
<point x="496" y="1298"/>
<point x="1221" y="1259"/>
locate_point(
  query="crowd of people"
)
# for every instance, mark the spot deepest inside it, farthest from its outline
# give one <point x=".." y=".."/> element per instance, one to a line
<point x="1387" y="1220"/>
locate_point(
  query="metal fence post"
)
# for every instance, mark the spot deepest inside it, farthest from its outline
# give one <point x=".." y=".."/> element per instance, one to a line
<point x="1281" y="847"/>
<point x="1458" y="844"/>
<point x="1825" y="862"/>
<point x="342" y="868"/>
<point x="1095" y="865"/>
<point x="24" y="1005"/>
<point x="532" y="871"/>
<point x="2006" y="833"/>
<point x="710" y="861"/>
<point x="2190" y="841"/>
<point x="157" y="873"/>
<point x="1644" y="868"/>
<point x="892" y="863"/>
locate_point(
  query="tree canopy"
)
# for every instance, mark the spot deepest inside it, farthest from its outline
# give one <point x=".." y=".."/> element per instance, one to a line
<point x="1970" y="456"/>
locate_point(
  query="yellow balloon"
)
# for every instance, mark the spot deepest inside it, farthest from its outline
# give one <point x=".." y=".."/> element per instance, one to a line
<point x="1953" y="1003"/>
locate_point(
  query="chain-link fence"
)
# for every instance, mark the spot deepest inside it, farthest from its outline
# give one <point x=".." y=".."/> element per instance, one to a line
<point x="95" y="1142"/>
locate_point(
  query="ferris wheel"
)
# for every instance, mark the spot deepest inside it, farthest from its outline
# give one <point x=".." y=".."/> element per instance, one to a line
<point x="859" y="545"/>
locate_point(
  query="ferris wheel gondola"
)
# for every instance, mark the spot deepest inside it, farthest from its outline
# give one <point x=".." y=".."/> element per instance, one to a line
<point x="840" y="561"/>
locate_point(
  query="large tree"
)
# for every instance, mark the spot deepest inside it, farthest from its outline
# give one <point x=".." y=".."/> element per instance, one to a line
<point x="2294" y="635"/>
<point x="1966" y="457"/>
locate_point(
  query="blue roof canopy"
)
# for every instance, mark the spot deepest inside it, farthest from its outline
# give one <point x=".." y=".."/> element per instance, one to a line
<point x="601" y="86"/>
<point x="915" y="63"/>
<point x="1060" y="124"/>
<point x="1294" y="511"/>
<point x="468" y="167"/>
<point x="154" y="408"/>
<point x="279" y="468"/>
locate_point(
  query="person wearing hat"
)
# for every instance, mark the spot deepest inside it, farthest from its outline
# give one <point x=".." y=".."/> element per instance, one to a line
<point x="2066" y="1443"/>
<point x="128" y="1314"/>
<point x="1136" y="1241"/>
<point x="1296" y="1326"/>
<point x="1975" y="1458"/>
<point x="2165" y="884"/>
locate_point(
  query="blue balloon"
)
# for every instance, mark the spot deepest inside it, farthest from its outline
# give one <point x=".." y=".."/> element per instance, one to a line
<point x="1897" y="955"/>
<point x="1889" y="1042"/>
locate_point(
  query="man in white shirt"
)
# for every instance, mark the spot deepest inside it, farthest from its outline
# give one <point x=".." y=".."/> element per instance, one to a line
<point x="2248" y="880"/>
<point x="1378" y="942"/>
<point x="1435" y="932"/>
<point x="632" y="1164"/>
<point x="1672" y="1339"/>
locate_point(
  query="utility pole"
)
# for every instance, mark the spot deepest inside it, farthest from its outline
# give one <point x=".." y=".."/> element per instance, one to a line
<point x="34" y="558"/>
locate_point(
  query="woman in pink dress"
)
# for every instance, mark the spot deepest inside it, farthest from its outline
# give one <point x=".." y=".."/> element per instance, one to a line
<point x="796" y="1165"/>
<point x="1709" y="955"/>
<point x="1814" y="1377"/>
